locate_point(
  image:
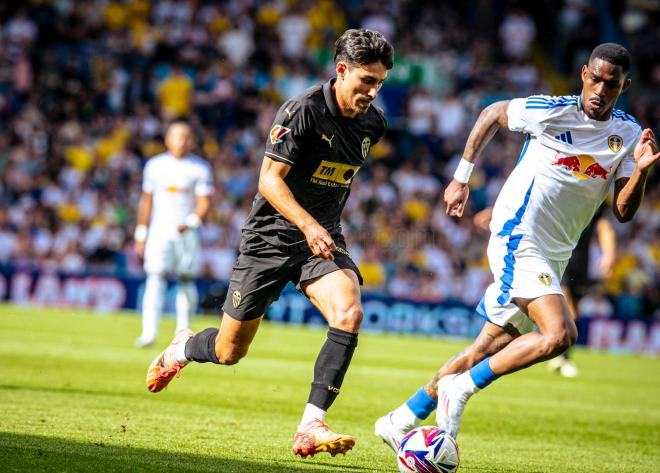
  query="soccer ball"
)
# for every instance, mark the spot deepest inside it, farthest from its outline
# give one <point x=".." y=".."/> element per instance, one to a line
<point x="427" y="450"/>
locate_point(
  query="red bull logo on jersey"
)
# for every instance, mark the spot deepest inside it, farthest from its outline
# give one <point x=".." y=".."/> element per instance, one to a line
<point x="615" y="142"/>
<point x="583" y="166"/>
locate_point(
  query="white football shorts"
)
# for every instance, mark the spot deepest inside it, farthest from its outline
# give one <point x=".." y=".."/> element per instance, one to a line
<point x="520" y="270"/>
<point x="173" y="253"/>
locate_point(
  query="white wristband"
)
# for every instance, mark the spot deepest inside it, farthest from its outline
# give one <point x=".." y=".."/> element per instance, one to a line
<point x="140" y="234"/>
<point x="193" y="221"/>
<point x="463" y="171"/>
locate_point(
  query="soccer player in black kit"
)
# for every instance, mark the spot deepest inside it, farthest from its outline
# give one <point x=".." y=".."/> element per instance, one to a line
<point x="318" y="142"/>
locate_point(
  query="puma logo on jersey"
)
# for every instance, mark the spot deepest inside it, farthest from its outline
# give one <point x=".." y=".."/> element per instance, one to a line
<point x="329" y="140"/>
<point x="289" y="112"/>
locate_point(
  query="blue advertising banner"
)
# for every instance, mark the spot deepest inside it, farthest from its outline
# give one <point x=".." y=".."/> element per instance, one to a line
<point x="105" y="293"/>
<point x="385" y="314"/>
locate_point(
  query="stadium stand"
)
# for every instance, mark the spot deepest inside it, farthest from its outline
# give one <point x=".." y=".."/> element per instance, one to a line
<point x="87" y="88"/>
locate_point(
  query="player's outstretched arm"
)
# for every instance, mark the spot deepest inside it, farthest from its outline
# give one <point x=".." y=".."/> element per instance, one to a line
<point x="490" y="120"/>
<point x="278" y="194"/>
<point x="629" y="192"/>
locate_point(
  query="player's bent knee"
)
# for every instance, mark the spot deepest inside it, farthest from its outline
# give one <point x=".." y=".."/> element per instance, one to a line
<point x="231" y="356"/>
<point x="228" y="359"/>
<point x="348" y="320"/>
<point x="558" y="342"/>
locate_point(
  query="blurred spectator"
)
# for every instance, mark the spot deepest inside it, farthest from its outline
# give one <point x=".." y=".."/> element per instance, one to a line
<point x="517" y="33"/>
<point x="88" y="88"/>
<point x="594" y="304"/>
<point x="175" y="94"/>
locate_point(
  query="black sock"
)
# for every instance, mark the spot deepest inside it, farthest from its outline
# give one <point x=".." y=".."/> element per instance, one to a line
<point x="331" y="365"/>
<point x="201" y="347"/>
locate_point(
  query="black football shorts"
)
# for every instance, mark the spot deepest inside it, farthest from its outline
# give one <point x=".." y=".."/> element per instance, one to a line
<point x="262" y="270"/>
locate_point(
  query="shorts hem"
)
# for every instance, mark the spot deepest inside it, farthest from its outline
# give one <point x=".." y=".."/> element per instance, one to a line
<point x="234" y="315"/>
<point x="323" y="273"/>
<point x="513" y="294"/>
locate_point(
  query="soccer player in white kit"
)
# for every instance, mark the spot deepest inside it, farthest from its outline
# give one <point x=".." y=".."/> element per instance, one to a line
<point x="576" y="147"/>
<point x="176" y="190"/>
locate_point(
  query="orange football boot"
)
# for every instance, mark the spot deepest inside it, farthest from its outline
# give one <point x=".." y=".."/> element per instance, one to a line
<point x="165" y="367"/>
<point x="319" y="438"/>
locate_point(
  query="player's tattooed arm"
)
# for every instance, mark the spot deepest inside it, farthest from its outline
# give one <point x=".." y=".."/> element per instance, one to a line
<point x="629" y="192"/>
<point x="490" y="120"/>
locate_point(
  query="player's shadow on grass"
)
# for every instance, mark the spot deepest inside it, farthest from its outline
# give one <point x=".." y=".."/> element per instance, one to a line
<point x="21" y="453"/>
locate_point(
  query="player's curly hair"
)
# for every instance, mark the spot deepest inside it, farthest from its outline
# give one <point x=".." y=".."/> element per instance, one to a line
<point x="614" y="54"/>
<point x="363" y="46"/>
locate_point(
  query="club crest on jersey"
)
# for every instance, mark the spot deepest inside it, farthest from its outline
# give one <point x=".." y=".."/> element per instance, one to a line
<point x="277" y="133"/>
<point x="236" y="299"/>
<point x="366" y="144"/>
<point x="615" y="143"/>
<point x="545" y="278"/>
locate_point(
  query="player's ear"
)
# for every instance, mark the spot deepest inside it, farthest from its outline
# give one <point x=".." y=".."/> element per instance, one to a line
<point x="341" y="68"/>
<point x="585" y="70"/>
<point x="626" y="84"/>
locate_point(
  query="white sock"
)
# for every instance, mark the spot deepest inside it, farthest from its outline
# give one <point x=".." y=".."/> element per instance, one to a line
<point x="181" y="352"/>
<point x="311" y="414"/>
<point x="405" y="419"/>
<point x="465" y="383"/>
<point x="152" y="305"/>
<point x="186" y="304"/>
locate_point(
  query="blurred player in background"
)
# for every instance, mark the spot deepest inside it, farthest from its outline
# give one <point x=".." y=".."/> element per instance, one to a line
<point x="318" y="142"/>
<point x="577" y="280"/>
<point x="576" y="147"/>
<point x="176" y="190"/>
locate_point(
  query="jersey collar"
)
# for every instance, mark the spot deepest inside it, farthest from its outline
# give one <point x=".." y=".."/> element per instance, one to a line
<point x="330" y="100"/>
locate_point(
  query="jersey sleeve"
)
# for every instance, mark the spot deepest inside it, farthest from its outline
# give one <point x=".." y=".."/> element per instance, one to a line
<point x="148" y="182"/>
<point x="292" y="122"/>
<point x="204" y="184"/>
<point x="533" y="114"/>
<point x="627" y="164"/>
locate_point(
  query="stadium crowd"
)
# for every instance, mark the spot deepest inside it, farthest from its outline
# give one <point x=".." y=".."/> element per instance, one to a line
<point x="87" y="88"/>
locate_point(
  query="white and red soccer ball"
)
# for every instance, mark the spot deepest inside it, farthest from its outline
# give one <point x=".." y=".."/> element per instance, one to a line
<point x="427" y="450"/>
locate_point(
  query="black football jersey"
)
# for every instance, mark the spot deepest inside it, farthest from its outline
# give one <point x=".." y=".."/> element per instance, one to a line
<point x="325" y="151"/>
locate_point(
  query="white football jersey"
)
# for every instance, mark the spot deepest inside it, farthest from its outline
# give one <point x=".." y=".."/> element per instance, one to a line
<point x="175" y="184"/>
<point x="564" y="171"/>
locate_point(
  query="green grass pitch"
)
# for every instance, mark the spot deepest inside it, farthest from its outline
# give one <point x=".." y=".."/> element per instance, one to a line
<point x="73" y="399"/>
